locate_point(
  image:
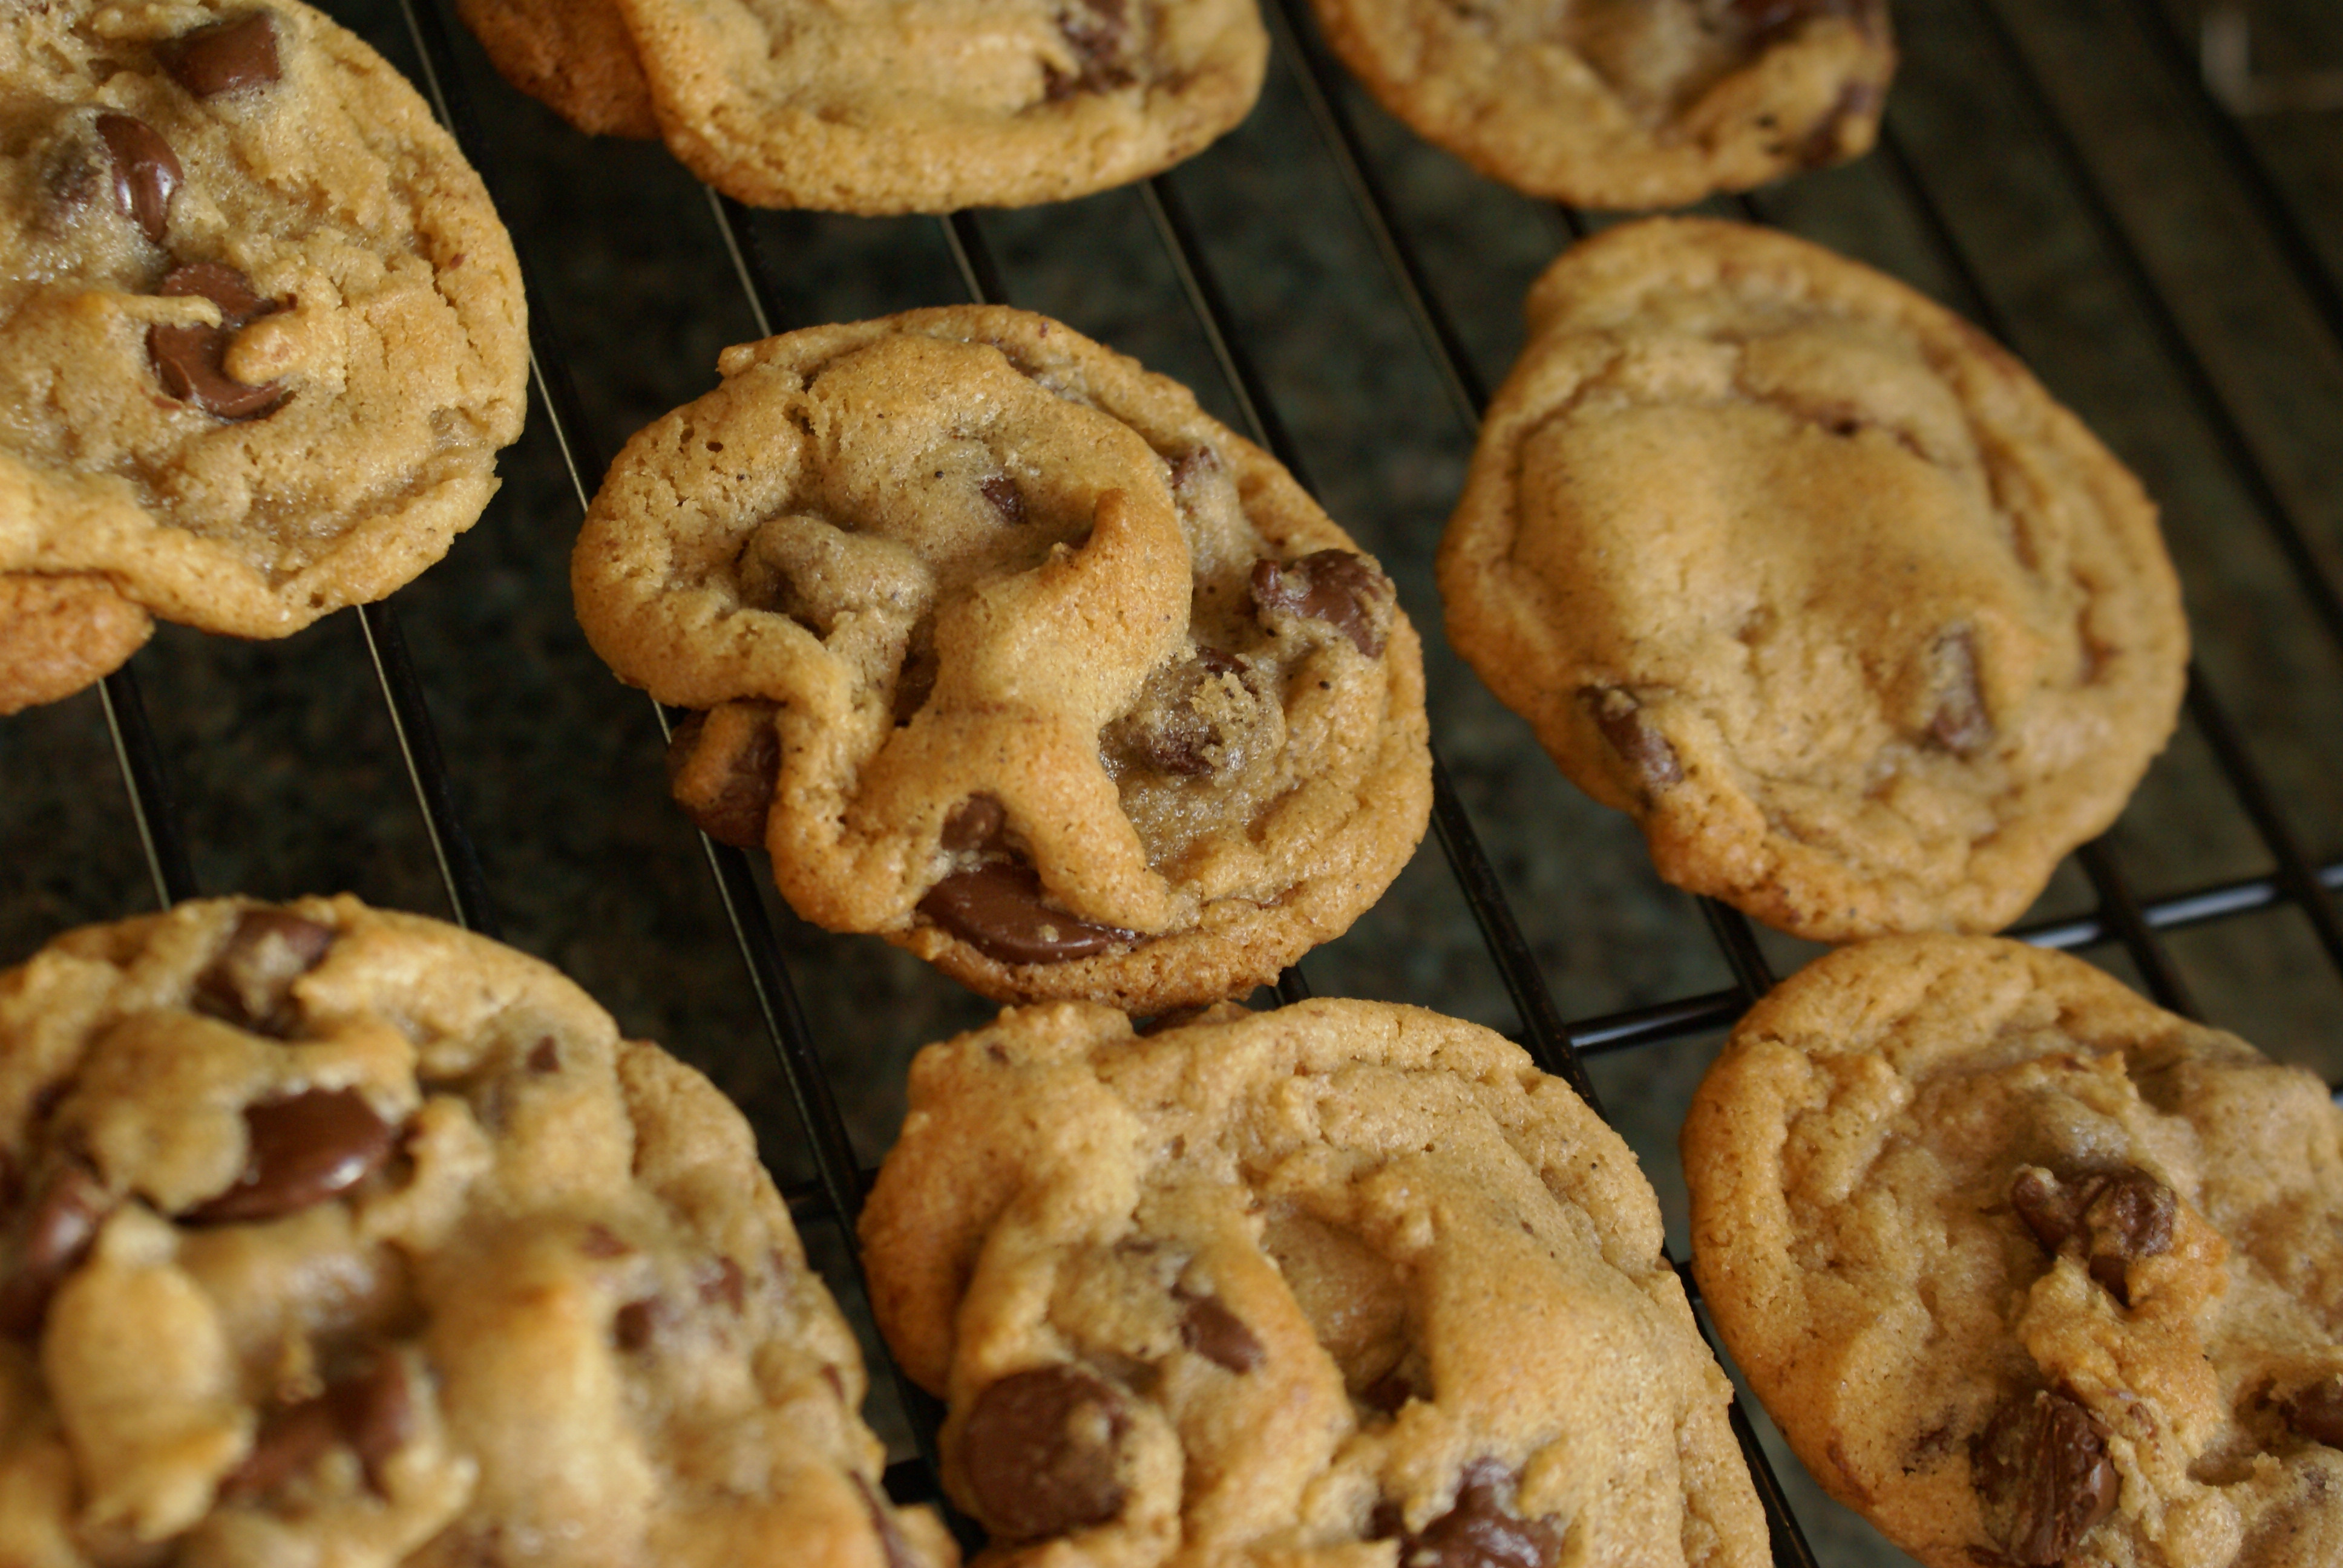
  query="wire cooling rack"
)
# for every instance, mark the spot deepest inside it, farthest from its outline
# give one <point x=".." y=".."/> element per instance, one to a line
<point x="2052" y="168"/>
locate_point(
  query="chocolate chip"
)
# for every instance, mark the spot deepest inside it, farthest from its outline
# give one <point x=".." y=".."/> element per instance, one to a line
<point x="1190" y="465"/>
<point x="1646" y="751"/>
<point x="225" y="58"/>
<point x="2316" y="1413"/>
<point x="975" y="825"/>
<point x="146" y="172"/>
<point x="1333" y="586"/>
<point x="372" y="1411"/>
<point x="190" y="360"/>
<point x="54" y="1236"/>
<point x="1042" y="1450"/>
<point x="2119" y="1217"/>
<point x="727" y="797"/>
<point x="998" y="909"/>
<point x="249" y="984"/>
<point x="545" y="1056"/>
<point x="1478" y="1532"/>
<point x="720" y="1280"/>
<point x="1960" y="723"/>
<point x="915" y="683"/>
<point x="301" y="1150"/>
<point x="1218" y="1335"/>
<point x="1166" y="730"/>
<point x="1002" y="491"/>
<point x="2041" y="1470"/>
<point x="891" y="1538"/>
<point x="1098" y="32"/>
<point x="633" y="1324"/>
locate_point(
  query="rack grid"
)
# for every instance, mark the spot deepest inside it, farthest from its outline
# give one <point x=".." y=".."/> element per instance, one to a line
<point x="2250" y="494"/>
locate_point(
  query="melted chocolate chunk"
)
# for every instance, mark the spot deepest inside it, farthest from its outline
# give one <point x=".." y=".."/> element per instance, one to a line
<point x="2117" y="1217"/>
<point x="190" y="360"/>
<point x="1166" y="731"/>
<point x="1218" y="1335"/>
<point x="1478" y="1532"/>
<point x="998" y="909"/>
<point x="301" y="1150"/>
<point x="1644" y="749"/>
<point x="371" y="1412"/>
<point x="1960" y="724"/>
<point x="1043" y="1453"/>
<point x="1002" y="491"/>
<point x="51" y="1238"/>
<point x="2316" y="1413"/>
<point x="249" y="984"/>
<point x="147" y="173"/>
<point x="1333" y="586"/>
<point x="1099" y="33"/>
<point x="2041" y="1470"/>
<point x="632" y="1325"/>
<point x="975" y="825"/>
<point x="225" y="58"/>
<point x="732" y="809"/>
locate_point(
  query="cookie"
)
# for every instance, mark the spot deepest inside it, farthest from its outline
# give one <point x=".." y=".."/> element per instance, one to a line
<point x="899" y="106"/>
<point x="1289" y="1288"/>
<point x="330" y="1235"/>
<point x="1813" y="580"/>
<point x="2030" y="1271"/>
<point x="1007" y="651"/>
<point x="261" y="334"/>
<point x="1626" y="102"/>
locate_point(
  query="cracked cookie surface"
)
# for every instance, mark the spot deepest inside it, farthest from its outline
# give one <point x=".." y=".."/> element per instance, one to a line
<point x="263" y="333"/>
<point x="1335" y="1286"/>
<point x="2030" y="1271"/>
<point x="1626" y="102"/>
<point x="892" y="105"/>
<point x="1814" y="580"/>
<point x="332" y="1235"/>
<point x="1006" y="651"/>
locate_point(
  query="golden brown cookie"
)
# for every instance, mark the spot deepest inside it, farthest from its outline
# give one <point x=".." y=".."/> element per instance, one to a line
<point x="892" y="105"/>
<point x="329" y="1235"/>
<point x="1815" y="581"/>
<point x="58" y="634"/>
<point x="2028" y="1270"/>
<point x="1626" y="102"/>
<point x="1010" y="652"/>
<point x="1331" y="1287"/>
<point x="261" y="334"/>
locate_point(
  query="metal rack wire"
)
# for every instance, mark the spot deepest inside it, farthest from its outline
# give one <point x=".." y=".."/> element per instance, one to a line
<point x="2296" y="881"/>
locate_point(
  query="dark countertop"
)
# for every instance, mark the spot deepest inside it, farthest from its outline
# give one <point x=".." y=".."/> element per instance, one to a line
<point x="2152" y="293"/>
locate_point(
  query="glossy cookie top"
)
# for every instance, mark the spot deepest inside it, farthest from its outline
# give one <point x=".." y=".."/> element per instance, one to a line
<point x="1626" y="102"/>
<point x="2030" y="1271"/>
<point x="1009" y="651"/>
<point x="1814" y="579"/>
<point x="261" y="334"/>
<point x="329" y="1235"/>
<point x="1343" y="1284"/>
<point x="892" y="105"/>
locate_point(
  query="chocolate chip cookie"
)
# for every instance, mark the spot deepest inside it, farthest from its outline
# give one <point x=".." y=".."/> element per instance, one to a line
<point x="2028" y="1270"/>
<point x="1626" y="102"/>
<point x="892" y="105"/>
<point x="329" y="1235"/>
<point x="1343" y="1284"/>
<point x="1008" y="651"/>
<point x="261" y="334"/>
<point x="1815" y="581"/>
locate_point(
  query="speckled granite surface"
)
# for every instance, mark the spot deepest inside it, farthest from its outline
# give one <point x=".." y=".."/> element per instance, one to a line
<point x="290" y="779"/>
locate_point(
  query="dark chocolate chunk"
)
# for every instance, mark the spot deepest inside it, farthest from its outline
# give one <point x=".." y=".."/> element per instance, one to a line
<point x="1166" y="731"/>
<point x="632" y="1325"/>
<point x="545" y="1056"/>
<point x="146" y="172"/>
<point x="975" y="825"/>
<point x="914" y="684"/>
<point x="1218" y="1335"/>
<point x="998" y="909"/>
<point x="290" y="1439"/>
<point x="1192" y="465"/>
<point x="372" y="1411"/>
<point x="1644" y="749"/>
<point x="51" y="1238"/>
<point x="1098" y="32"/>
<point x="1478" y="1532"/>
<point x="1333" y="586"/>
<point x="2046" y="1206"/>
<point x="1002" y="491"/>
<point x="2041" y="1470"/>
<point x="225" y="58"/>
<point x="1042" y="1452"/>
<point x="2118" y="1217"/>
<point x="249" y="984"/>
<point x="2316" y="1413"/>
<point x="190" y="359"/>
<point x="301" y="1150"/>
<point x="732" y="809"/>
<point x="1960" y="723"/>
